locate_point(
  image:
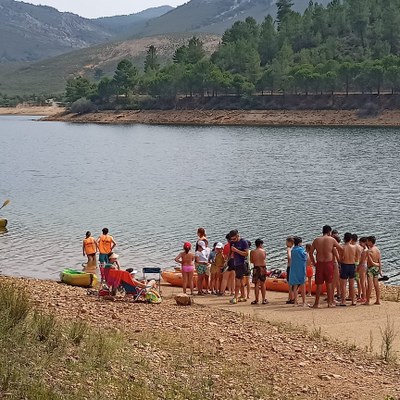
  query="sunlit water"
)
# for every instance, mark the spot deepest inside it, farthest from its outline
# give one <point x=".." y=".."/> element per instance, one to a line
<point x="153" y="186"/>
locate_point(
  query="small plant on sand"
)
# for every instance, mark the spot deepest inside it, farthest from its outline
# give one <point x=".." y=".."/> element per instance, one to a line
<point x="44" y="325"/>
<point x="77" y="331"/>
<point x="316" y="332"/>
<point x="371" y="342"/>
<point x="388" y="334"/>
<point x="14" y="306"/>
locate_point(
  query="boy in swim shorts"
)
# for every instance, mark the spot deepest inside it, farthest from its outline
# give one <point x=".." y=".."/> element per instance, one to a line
<point x="258" y="259"/>
<point x="348" y="269"/>
<point x="374" y="264"/>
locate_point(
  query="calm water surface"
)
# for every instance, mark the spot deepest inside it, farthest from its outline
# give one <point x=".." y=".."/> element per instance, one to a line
<point x="153" y="186"/>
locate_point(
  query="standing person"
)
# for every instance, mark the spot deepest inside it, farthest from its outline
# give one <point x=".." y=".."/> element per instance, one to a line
<point x="298" y="266"/>
<point x="89" y="248"/>
<point x="374" y="263"/>
<point x="105" y="244"/>
<point x="336" y="270"/>
<point x="354" y="242"/>
<point x="258" y="259"/>
<point x="289" y="246"/>
<point x="202" y="255"/>
<point x="202" y="236"/>
<point x="248" y="266"/>
<point x="309" y="271"/>
<point x="240" y="250"/>
<point x="228" y="274"/>
<point x="186" y="259"/>
<point x="348" y="269"/>
<point x="362" y="269"/>
<point x="324" y="246"/>
<point x="217" y="266"/>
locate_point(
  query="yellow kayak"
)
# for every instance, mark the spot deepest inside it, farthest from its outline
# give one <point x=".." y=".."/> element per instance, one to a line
<point x="3" y="222"/>
<point x="78" y="278"/>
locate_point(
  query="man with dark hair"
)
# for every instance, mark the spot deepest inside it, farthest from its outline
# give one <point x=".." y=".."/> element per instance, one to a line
<point x="240" y="251"/>
<point x="348" y="269"/>
<point x="106" y="244"/>
<point x="257" y="258"/>
<point x="324" y="247"/>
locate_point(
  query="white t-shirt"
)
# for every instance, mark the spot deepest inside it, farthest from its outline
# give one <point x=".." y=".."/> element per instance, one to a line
<point x="203" y="255"/>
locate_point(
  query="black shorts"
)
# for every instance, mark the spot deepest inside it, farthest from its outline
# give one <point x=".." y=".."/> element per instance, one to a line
<point x="347" y="271"/>
<point x="259" y="274"/>
<point x="239" y="271"/>
<point x="287" y="273"/>
<point x="231" y="264"/>
<point x="247" y="271"/>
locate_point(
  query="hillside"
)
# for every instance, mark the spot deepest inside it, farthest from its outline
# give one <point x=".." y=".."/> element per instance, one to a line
<point x="49" y="76"/>
<point x="214" y="16"/>
<point x="29" y="32"/>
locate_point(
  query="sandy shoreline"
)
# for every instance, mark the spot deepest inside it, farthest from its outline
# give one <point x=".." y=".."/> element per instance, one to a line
<point x="40" y="111"/>
<point x="292" y="362"/>
<point x="233" y="118"/>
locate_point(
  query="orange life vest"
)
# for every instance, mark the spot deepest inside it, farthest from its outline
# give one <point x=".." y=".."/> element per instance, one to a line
<point x="105" y="244"/>
<point x="89" y="245"/>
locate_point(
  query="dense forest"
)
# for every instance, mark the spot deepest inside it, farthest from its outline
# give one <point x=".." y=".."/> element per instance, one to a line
<point x="350" y="46"/>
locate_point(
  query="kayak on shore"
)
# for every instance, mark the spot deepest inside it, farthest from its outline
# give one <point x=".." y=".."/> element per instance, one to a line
<point x="281" y="285"/>
<point x="78" y="278"/>
<point x="174" y="278"/>
<point x="3" y="222"/>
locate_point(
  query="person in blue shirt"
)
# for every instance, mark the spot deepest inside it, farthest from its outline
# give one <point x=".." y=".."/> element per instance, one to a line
<point x="240" y="251"/>
<point x="298" y="264"/>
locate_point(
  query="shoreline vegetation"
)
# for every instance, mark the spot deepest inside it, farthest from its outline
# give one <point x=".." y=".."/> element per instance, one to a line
<point x="58" y="342"/>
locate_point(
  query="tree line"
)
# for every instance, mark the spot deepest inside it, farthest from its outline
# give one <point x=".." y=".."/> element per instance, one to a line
<point x="347" y="46"/>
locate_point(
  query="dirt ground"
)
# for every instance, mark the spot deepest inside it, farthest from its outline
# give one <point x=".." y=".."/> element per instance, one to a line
<point x="291" y="362"/>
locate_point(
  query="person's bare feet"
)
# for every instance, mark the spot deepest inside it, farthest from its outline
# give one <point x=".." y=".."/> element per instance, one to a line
<point x="315" y="306"/>
<point x="377" y="303"/>
<point x="331" y="305"/>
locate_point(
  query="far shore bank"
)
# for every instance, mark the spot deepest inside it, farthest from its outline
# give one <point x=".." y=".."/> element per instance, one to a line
<point x="389" y="118"/>
<point x="40" y="111"/>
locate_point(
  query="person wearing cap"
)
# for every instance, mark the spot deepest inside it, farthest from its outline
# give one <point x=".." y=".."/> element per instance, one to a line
<point x="113" y="261"/>
<point x="186" y="259"/>
<point x="217" y="265"/>
<point x="202" y="255"/>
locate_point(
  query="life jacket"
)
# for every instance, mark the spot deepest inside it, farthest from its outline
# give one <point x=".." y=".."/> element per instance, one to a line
<point x="105" y="244"/>
<point x="90" y="245"/>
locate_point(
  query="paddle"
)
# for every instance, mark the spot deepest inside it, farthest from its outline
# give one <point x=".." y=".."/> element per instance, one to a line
<point x="5" y="203"/>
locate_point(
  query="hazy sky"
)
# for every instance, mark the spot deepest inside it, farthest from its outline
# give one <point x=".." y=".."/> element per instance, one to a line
<point x="101" y="8"/>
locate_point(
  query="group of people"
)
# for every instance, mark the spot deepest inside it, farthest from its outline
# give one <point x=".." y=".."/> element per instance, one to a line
<point x="230" y="266"/>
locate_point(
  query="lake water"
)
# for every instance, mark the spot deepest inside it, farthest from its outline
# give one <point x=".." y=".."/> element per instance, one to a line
<point x="153" y="186"/>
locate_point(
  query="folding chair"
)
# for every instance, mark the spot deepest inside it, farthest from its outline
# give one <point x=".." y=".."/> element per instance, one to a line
<point x="153" y="271"/>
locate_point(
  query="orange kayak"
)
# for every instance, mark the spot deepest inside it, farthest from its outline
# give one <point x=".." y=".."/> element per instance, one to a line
<point x="175" y="278"/>
<point x="281" y="285"/>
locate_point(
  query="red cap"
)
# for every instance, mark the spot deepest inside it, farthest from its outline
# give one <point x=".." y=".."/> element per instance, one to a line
<point x="187" y="245"/>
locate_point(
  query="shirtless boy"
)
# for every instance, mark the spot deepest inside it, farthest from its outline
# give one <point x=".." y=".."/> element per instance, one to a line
<point x="348" y="268"/>
<point x="374" y="264"/>
<point x="324" y="246"/>
<point x="258" y="259"/>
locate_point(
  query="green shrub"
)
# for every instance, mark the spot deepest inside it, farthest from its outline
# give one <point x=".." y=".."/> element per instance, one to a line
<point x="14" y="305"/>
<point x="82" y="106"/>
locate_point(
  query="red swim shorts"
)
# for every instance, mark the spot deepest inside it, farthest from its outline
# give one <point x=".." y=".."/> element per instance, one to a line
<point x="324" y="272"/>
